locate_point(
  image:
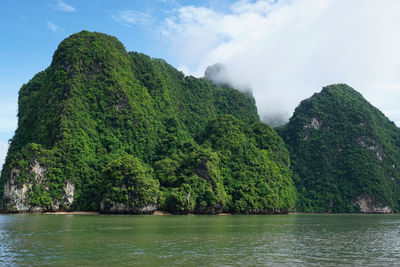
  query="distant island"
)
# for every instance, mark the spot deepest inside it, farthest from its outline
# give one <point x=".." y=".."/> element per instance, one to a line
<point x="345" y="154"/>
<point x="103" y="129"/>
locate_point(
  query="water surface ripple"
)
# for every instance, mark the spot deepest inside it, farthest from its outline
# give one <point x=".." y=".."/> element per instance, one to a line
<point x="96" y="240"/>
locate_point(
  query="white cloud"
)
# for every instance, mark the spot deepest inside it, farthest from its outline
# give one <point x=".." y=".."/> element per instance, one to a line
<point x="170" y="2"/>
<point x="51" y="26"/>
<point x="131" y="18"/>
<point x="287" y="50"/>
<point x="3" y="153"/>
<point x="62" y="6"/>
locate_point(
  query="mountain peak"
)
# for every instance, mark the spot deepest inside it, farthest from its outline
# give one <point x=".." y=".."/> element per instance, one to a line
<point x="83" y="48"/>
<point x="344" y="152"/>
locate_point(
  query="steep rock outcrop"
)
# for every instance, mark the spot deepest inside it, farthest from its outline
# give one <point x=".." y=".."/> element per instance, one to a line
<point x="24" y="184"/>
<point x="97" y="104"/>
<point x="343" y="151"/>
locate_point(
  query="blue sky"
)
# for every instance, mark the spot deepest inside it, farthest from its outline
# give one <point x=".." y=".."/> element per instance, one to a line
<point x="284" y="50"/>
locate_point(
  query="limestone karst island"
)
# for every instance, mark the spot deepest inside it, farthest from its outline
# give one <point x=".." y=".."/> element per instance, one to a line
<point x="103" y="129"/>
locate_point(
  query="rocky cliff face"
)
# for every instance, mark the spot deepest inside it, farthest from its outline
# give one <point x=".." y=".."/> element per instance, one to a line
<point x="367" y="205"/>
<point x="18" y="195"/>
<point x="15" y="196"/>
<point x="121" y="208"/>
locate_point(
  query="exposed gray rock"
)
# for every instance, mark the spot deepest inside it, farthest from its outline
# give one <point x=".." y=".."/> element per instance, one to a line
<point x="39" y="172"/>
<point x="149" y="209"/>
<point x="367" y="205"/>
<point x="69" y="191"/>
<point x="121" y="208"/>
<point x="16" y="194"/>
<point x="314" y="124"/>
<point x="370" y="145"/>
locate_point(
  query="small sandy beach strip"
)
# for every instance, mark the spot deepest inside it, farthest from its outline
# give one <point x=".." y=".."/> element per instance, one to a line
<point x="72" y="213"/>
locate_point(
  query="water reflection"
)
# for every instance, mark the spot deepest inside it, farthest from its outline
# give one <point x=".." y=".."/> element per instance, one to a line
<point x="200" y="240"/>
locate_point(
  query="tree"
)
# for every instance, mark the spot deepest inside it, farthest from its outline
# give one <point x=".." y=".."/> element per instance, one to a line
<point x="129" y="186"/>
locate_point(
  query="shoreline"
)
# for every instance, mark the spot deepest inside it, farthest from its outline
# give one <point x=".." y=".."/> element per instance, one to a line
<point x="70" y="213"/>
<point x="163" y="213"/>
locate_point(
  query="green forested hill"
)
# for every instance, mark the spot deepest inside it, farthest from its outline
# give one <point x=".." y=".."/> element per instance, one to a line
<point x="104" y="129"/>
<point x="345" y="154"/>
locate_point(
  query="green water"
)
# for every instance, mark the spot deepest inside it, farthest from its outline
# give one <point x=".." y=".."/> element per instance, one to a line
<point x="200" y="240"/>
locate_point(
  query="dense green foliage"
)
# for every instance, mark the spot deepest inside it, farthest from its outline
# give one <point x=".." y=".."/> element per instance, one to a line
<point x="254" y="165"/>
<point x="342" y="148"/>
<point x="131" y="132"/>
<point x="127" y="182"/>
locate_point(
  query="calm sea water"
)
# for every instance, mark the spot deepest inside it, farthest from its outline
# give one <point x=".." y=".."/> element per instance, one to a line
<point x="98" y="240"/>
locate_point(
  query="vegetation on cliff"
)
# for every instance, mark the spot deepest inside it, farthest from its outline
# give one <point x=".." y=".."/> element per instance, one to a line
<point x="102" y="128"/>
<point x="345" y="154"/>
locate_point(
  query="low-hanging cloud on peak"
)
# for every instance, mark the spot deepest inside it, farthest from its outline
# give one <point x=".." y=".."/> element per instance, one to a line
<point x="287" y="50"/>
<point x="219" y="74"/>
